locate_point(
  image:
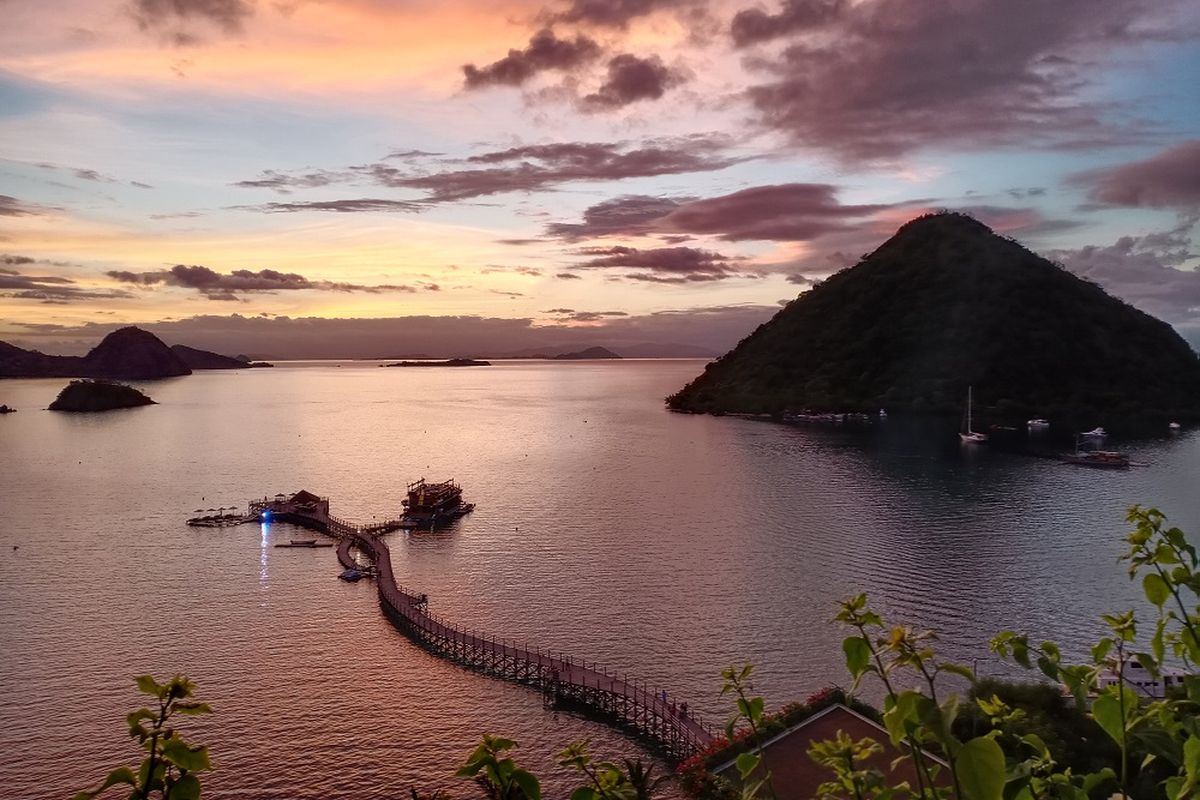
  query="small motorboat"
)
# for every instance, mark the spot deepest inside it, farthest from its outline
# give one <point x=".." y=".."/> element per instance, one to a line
<point x="1095" y="433"/>
<point x="305" y="543"/>
<point x="352" y="575"/>
<point x="1038" y="424"/>
<point x="1174" y="426"/>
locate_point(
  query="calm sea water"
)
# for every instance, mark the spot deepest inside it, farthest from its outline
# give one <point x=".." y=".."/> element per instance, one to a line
<point x="662" y="545"/>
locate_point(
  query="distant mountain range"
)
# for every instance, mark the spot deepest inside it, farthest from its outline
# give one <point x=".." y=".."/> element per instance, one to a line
<point x="587" y="354"/>
<point x="128" y="353"/>
<point x="946" y="304"/>
<point x="132" y="353"/>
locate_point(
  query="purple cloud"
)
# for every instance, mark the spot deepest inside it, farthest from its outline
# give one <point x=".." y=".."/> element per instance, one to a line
<point x="538" y="167"/>
<point x="228" y="286"/>
<point x="663" y="264"/>
<point x="616" y="13"/>
<point x="283" y="182"/>
<point x="229" y="15"/>
<point x="1144" y="271"/>
<point x="753" y="25"/>
<point x="1170" y="179"/>
<point x="342" y="206"/>
<point x="52" y="289"/>
<point x="631" y="79"/>
<point x="545" y="52"/>
<point x="886" y="77"/>
<point x="12" y="207"/>
<point x="784" y="212"/>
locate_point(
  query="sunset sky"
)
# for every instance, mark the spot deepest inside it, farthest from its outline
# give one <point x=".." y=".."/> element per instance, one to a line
<point x="638" y="170"/>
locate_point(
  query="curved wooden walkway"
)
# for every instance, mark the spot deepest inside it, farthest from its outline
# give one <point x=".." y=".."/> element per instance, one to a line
<point x="561" y="679"/>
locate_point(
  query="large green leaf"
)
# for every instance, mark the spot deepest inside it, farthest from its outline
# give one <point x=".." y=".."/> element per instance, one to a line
<point x="1156" y="589"/>
<point x="528" y="783"/>
<point x="1106" y="710"/>
<point x="186" y="788"/>
<point x="980" y="769"/>
<point x="193" y="759"/>
<point x="858" y="655"/>
<point x="746" y="763"/>
<point x="120" y="775"/>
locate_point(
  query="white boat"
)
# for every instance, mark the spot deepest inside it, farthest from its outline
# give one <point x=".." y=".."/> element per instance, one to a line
<point x="1142" y="682"/>
<point x="968" y="436"/>
<point x="1174" y="426"/>
<point x="1094" y="433"/>
<point x="882" y="413"/>
<point x="1038" y="424"/>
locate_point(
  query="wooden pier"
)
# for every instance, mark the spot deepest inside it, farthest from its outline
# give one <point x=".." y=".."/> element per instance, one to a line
<point x="561" y="679"/>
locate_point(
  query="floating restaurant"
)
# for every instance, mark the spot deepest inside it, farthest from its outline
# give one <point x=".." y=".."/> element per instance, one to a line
<point x="432" y="503"/>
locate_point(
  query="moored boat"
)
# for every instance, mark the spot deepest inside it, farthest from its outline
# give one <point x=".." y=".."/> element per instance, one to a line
<point x="1104" y="459"/>
<point x="967" y="435"/>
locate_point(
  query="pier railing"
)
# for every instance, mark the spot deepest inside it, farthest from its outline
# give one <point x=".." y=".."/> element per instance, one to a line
<point x="562" y="679"/>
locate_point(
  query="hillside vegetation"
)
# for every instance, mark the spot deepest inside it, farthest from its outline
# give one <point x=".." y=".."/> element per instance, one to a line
<point x="946" y="303"/>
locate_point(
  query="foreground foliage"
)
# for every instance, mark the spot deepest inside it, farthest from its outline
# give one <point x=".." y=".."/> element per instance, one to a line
<point x="170" y="769"/>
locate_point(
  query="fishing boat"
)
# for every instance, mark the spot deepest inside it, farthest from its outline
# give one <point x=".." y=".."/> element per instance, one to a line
<point x="967" y="435"/>
<point x="1102" y="459"/>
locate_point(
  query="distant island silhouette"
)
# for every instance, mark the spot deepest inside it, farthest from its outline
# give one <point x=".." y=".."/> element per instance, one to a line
<point x="126" y="354"/>
<point x="450" y="362"/>
<point x="86" y="396"/>
<point x="583" y="355"/>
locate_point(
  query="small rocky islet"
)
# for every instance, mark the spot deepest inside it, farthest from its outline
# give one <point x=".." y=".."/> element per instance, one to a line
<point x="87" y="396"/>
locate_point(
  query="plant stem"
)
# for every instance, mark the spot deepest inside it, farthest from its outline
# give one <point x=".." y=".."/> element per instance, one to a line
<point x="915" y="748"/>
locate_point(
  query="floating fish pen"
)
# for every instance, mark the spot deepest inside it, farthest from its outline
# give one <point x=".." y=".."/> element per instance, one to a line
<point x="431" y="503"/>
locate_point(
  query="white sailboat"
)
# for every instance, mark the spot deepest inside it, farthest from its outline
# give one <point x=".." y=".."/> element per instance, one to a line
<point x="967" y="435"/>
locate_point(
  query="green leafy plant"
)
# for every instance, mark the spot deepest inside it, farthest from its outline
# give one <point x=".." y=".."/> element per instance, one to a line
<point x="498" y="773"/>
<point x="1164" y="732"/>
<point x="1157" y="739"/>
<point x="751" y="766"/>
<point x="170" y="768"/>
<point x="630" y="780"/>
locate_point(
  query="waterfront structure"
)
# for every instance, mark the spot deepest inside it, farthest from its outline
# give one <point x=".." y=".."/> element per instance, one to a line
<point x="562" y="679"/>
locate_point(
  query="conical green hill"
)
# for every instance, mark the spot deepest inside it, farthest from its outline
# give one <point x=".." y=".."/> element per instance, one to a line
<point x="946" y="303"/>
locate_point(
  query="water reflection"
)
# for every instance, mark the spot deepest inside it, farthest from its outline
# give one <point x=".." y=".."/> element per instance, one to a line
<point x="264" y="546"/>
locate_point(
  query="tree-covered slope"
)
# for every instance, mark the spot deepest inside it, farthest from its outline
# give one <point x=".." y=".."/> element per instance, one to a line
<point x="943" y="304"/>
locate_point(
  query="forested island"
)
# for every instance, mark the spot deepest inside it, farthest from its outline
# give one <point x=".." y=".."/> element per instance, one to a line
<point x="946" y="304"/>
<point x="89" y="396"/>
